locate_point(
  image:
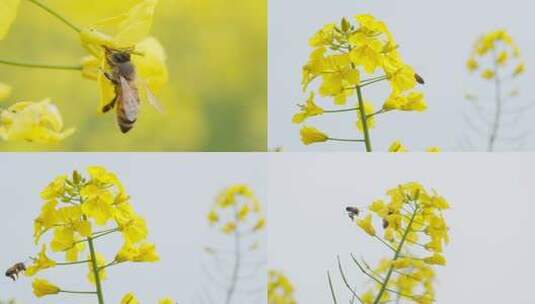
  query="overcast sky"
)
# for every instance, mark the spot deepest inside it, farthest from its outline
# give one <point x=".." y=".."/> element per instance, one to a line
<point x="172" y="191"/>
<point x="491" y="220"/>
<point x="435" y="37"/>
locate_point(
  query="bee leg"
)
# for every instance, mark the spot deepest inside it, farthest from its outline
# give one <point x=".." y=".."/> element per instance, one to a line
<point x="110" y="105"/>
<point x="110" y="78"/>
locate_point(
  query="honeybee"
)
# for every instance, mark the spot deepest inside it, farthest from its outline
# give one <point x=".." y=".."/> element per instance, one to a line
<point x="124" y="79"/>
<point x="352" y="212"/>
<point x="14" y="271"/>
<point x="419" y="78"/>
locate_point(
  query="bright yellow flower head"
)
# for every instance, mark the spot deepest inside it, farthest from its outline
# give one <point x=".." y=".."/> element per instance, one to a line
<point x="146" y="252"/>
<point x="39" y="122"/>
<point x="8" y="13"/>
<point x="433" y="149"/>
<point x="43" y="288"/>
<point x="166" y="301"/>
<point x="310" y="135"/>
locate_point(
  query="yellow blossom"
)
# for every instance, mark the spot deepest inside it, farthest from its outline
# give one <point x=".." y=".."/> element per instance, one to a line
<point x="472" y="65"/>
<point x="229" y="227"/>
<point x="488" y="74"/>
<point x="42" y="262"/>
<point x="129" y="298"/>
<point x="280" y="289"/>
<point x="166" y="301"/>
<point x="367" y="225"/>
<point x="433" y="149"/>
<point x="397" y="146"/>
<point x="260" y="224"/>
<point x="146" y="252"/>
<point x="435" y="259"/>
<point x="38" y="122"/>
<point x="310" y="135"/>
<point x="212" y="217"/>
<point x="42" y="288"/>
<point x="309" y="109"/>
<point x="519" y="69"/>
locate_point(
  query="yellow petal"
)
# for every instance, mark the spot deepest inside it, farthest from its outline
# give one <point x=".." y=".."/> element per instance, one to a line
<point x="8" y="13"/>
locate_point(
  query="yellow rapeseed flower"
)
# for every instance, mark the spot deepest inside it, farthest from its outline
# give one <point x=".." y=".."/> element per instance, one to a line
<point x="310" y="135"/>
<point x="309" y="109"/>
<point x="39" y="122"/>
<point x="397" y="146"/>
<point x="129" y="298"/>
<point x="43" y="288"/>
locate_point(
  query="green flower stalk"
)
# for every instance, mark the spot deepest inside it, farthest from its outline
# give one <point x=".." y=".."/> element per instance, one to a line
<point x="506" y="64"/>
<point x="414" y="231"/>
<point x="237" y="213"/>
<point x="78" y="212"/>
<point x="346" y="58"/>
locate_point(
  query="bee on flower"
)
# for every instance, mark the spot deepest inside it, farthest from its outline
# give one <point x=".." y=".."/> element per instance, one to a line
<point x="347" y="57"/>
<point x="411" y="225"/>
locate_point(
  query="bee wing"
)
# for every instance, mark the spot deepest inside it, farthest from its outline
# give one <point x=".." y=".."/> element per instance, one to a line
<point x="130" y="100"/>
<point x="153" y="101"/>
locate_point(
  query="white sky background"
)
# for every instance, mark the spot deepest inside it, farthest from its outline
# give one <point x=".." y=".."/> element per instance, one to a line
<point x="435" y="37"/>
<point x="172" y="191"/>
<point x="491" y="220"/>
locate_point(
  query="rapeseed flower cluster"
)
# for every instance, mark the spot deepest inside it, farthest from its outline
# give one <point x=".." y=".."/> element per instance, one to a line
<point x="280" y="289"/>
<point x="497" y="59"/>
<point x="411" y="224"/>
<point x="502" y="51"/>
<point x="77" y="212"/>
<point x="346" y="58"/>
<point x="237" y="206"/>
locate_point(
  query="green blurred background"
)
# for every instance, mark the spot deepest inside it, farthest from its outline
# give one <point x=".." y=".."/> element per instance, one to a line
<point x="216" y="97"/>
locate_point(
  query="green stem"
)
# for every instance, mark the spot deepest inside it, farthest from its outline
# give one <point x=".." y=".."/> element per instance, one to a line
<point x="96" y="236"/>
<point x="342" y="110"/>
<point x="396" y="256"/>
<point x="41" y="66"/>
<point x="77" y="292"/>
<point x="53" y="13"/>
<point x="345" y="140"/>
<point x="237" y="262"/>
<point x="498" y="100"/>
<point x="95" y="270"/>
<point x="364" y="120"/>
<point x="73" y="263"/>
<point x="373" y="81"/>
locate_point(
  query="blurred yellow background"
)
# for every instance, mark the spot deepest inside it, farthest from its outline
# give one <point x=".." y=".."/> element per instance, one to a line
<point x="216" y="98"/>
